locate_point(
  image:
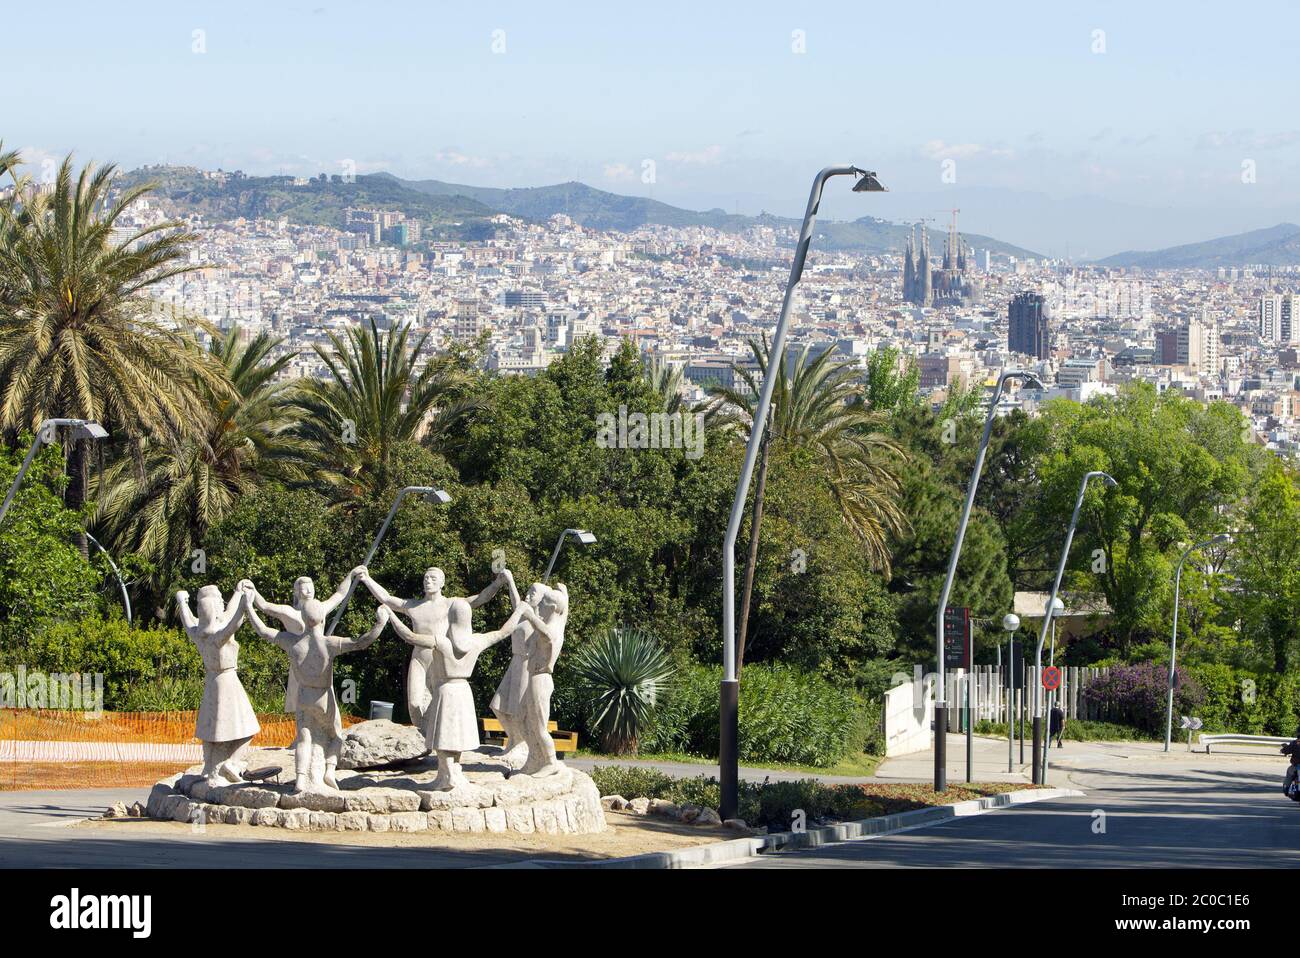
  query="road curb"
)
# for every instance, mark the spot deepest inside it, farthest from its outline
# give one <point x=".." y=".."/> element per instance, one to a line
<point x="738" y="849"/>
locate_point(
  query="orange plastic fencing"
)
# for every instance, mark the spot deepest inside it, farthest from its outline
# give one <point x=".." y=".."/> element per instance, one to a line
<point x="44" y="748"/>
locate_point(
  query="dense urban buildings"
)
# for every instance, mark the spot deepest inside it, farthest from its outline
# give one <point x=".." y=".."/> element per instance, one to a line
<point x="694" y="297"/>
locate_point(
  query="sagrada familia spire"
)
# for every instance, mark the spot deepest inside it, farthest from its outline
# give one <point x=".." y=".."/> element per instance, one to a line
<point x="950" y="284"/>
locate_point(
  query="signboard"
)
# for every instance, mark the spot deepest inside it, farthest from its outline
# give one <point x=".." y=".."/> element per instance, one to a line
<point x="1052" y="678"/>
<point x="956" y="637"/>
<point x="1190" y="723"/>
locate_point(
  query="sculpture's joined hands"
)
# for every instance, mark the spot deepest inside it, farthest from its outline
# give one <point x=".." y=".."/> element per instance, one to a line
<point x="446" y="650"/>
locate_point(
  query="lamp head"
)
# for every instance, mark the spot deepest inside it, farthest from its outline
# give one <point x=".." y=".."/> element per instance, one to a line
<point x="1057" y="606"/>
<point x="583" y="536"/>
<point x="1011" y="622"/>
<point x="89" y="430"/>
<point x="867" y="183"/>
<point x="437" y="497"/>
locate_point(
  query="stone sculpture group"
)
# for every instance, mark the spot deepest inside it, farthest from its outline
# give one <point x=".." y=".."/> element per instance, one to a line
<point x="445" y="651"/>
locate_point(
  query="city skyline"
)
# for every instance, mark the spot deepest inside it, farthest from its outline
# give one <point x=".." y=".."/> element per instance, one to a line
<point x="1079" y="133"/>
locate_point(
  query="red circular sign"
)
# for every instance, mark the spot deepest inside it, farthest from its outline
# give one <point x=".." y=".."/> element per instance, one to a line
<point x="1052" y="678"/>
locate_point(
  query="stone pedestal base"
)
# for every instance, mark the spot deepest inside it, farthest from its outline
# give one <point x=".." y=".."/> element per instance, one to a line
<point x="494" y="800"/>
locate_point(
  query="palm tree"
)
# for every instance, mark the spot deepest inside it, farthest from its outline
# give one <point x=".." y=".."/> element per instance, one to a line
<point x="666" y="380"/>
<point x="375" y="397"/>
<point x="161" y="499"/>
<point x="819" y="408"/>
<point x="78" y="338"/>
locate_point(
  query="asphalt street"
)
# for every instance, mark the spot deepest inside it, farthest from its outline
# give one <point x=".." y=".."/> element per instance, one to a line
<point x="1142" y="809"/>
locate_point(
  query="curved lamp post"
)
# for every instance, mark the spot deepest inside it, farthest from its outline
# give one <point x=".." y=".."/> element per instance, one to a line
<point x="1040" y="758"/>
<point x="1222" y="539"/>
<point x="581" y="535"/>
<point x="126" y="599"/>
<point x="940" y="692"/>
<point x="430" y="494"/>
<point x="729" y="694"/>
<point x="45" y="433"/>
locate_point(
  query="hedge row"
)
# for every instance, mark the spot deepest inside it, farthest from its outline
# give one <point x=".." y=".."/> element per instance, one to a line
<point x="786" y="716"/>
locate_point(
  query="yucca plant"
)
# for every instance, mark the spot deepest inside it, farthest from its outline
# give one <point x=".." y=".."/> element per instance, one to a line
<point x="622" y="674"/>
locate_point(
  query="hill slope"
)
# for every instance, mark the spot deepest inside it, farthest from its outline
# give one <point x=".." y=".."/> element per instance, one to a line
<point x="1275" y="246"/>
<point x="459" y="211"/>
<point x="598" y="209"/>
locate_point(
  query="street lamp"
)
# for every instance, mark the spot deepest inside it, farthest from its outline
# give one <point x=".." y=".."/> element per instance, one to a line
<point x="1054" y="606"/>
<point x="941" y="701"/>
<point x="582" y="535"/>
<point x="126" y="599"/>
<point x="1221" y="539"/>
<point x="1010" y="622"/>
<point x="430" y="494"/>
<point x="45" y="433"/>
<point x="729" y="694"/>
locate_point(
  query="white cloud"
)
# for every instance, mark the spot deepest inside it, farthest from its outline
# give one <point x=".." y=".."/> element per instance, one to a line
<point x="939" y="150"/>
<point x="1247" y="140"/>
<point x="619" y="172"/>
<point x="709" y="156"/>
<point x="457" y="158"/>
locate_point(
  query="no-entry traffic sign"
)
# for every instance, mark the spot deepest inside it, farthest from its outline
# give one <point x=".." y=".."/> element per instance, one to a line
<point x="1052" y="678"/>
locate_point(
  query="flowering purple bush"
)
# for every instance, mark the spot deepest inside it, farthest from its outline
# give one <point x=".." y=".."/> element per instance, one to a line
<point x="1137" y="695"/>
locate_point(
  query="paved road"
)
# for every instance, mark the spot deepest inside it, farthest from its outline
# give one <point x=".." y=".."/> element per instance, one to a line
<point x="33" y="834"/>
<point x="1175" y="811"/>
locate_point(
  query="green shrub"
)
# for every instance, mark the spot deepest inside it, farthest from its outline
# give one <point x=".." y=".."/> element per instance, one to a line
<point x="1079" y="730"/>
<point x="631" y="782"/>
<point x="621" y="676"/>
<point x="147" y="669"/>
<point x="786" y="716"/>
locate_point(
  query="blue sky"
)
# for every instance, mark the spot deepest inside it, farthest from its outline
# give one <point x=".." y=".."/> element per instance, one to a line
<point x="1057" y="137"/>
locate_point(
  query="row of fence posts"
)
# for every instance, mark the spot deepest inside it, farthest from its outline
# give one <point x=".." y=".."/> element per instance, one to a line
<point x="990" y="699"/>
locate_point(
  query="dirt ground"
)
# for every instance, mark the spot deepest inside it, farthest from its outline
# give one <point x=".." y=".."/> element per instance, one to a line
<point x="625" y="834"/>
<point x="25" y="776"/>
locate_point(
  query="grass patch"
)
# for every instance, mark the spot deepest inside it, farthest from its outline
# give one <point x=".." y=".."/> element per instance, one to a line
<point x="852" y="766"/>
<point x="777" y="805"/>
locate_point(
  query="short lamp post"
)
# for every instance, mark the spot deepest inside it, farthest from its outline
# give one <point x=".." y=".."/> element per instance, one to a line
<point x="941" y="702"/>
<point x="729" y="692"/>
<point x="1011" y="622"/>
<point x="1222" y="539"/>
<point x="580" y="535"/>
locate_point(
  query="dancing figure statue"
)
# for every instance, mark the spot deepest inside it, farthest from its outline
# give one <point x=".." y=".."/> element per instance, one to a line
<point x="226" y="721"/>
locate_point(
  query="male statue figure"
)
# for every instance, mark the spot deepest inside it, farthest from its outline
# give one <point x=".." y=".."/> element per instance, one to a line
<point x="306" y="614"/>
<point x="226" y="721"/>
<point x="508" y="702"/>
<point x="452" y="724"/>
<point x="429" y="616"/>
<point x="547" y="611"/>
<point x="311" y="664"/>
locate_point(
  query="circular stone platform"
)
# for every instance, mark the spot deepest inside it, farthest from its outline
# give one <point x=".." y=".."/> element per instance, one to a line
<point x="398" y="798"/>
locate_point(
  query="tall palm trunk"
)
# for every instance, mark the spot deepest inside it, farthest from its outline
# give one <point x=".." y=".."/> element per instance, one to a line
<point x="75" y="497"/>
<point x="752" y="562"/>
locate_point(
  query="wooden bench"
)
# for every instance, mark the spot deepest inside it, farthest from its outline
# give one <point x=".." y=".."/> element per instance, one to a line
<point x="1230" y="739"/>
<point x="564" y="741"/>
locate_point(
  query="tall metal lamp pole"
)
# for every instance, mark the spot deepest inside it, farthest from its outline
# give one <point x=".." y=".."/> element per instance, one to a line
<point x="729" y="694"/>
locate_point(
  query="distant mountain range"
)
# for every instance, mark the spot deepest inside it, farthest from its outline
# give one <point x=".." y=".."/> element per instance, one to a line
<point x="1276" y="246"/>
<point x="459" y="211"/>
